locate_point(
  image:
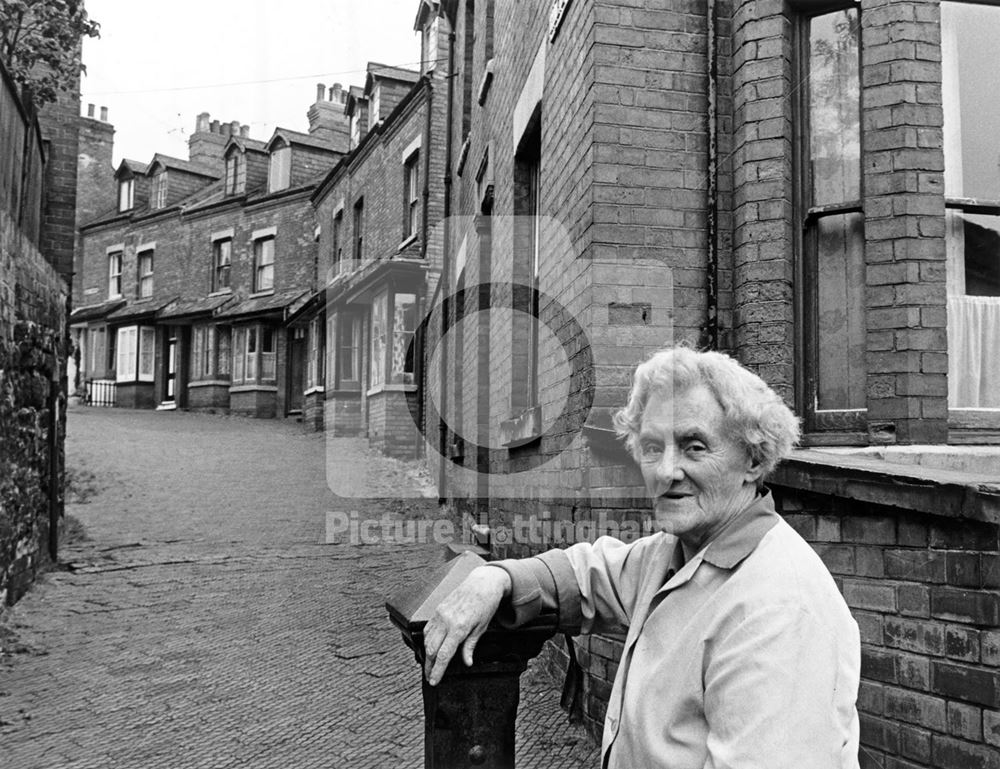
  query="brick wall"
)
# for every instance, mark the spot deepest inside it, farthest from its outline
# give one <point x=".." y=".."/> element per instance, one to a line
<point x="904" y="221"/>
<point x="59" y="122"/>
<point x="32" y="326"/>
<point x="924" y="591"/>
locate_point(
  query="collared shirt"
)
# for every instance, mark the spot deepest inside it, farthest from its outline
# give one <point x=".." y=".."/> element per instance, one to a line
<point x="744" y="656"/>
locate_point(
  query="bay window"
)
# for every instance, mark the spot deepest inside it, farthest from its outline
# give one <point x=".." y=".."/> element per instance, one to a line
<point x="394" y="321"/>
<point x="254" y="354"/>
<point x="970" y="68"/>
<point x="134" y="354"/>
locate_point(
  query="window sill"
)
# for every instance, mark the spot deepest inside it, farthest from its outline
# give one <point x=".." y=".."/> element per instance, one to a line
<point x="246" y="388"/>
<point x="209" y="383"/>
<point x="314" y="390"/>
<point x="407" y="242"/>
<point x="392" y="388"/>
<point x="222" y="292"/>
<point x="354" y="392"/>
<point x="255" y="294"/>
<point x="522" y="429"/>
<point x="938" y="480"/>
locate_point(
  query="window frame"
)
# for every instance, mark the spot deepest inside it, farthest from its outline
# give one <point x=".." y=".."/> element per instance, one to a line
<point x="381" y="366"/>
<point x="359" y="230"/>
<point x="158" y="190"/>
<point x="279" y="169"/>
<point x="219" y="269"/>
<point x="135" y="353"/>
<point x="126" y="194"/>
<point x="145" y="280"/>
<point x="262" y="268"/>
<point x="840" y="425"/>
<point x="250" y="366"/>
<point x="411" y="195"/>
<point x="116" y="259"/>
<point x="337" y="246"/>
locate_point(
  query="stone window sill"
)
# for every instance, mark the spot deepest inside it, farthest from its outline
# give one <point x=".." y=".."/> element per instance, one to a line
<point x="522" y="429"/>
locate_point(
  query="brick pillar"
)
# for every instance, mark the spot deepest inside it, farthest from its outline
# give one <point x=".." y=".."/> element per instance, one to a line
<point x="904" y="222"/>
<point x="762" y="192"/>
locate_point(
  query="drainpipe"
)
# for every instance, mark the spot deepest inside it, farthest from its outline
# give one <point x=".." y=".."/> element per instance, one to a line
<point x="712" y="271"/>
<point x="428" y="123"/>
<point x="446" y="271"/>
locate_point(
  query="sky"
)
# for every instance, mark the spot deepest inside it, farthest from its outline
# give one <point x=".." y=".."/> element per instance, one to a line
<point x="159" y="63"/>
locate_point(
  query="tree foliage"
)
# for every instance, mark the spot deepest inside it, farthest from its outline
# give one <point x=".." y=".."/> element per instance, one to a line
<point x="40" y="43"/>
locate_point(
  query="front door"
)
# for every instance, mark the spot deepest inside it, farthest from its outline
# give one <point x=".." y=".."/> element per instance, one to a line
<point x="296" y="368"/>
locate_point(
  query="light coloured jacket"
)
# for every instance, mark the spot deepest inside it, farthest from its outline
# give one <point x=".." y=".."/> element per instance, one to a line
<point x="745" y="657"/>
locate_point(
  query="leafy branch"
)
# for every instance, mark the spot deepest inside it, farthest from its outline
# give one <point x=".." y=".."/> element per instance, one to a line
<point x="40" y="45"/>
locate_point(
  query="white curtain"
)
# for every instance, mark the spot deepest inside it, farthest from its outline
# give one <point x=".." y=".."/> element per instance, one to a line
<point x="974" y="352"/>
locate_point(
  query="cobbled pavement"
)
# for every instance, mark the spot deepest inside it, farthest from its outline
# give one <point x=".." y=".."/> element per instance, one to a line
<point x="204" y="621"/>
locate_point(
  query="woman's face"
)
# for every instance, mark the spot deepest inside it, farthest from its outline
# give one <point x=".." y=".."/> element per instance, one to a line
<point x="697" y="474"/>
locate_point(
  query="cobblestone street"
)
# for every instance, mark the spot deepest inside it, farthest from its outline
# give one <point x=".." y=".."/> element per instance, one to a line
<point x="204" y="622"/>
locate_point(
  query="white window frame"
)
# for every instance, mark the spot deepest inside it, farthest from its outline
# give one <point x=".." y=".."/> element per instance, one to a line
<point x="259" y="266"/>
<point x="279" y="174"/>
<point x="159" y="190"/>
<point x="135" y="354"/>
<point x="146" y="277"/>
<point x="116" y="257"/>
<point x="126" y="194"/>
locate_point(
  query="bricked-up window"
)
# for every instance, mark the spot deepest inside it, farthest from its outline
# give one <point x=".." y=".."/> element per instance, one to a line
<point x="338" y="244"/>
<point x="279" y="173"/>
<point x="359" y="231"/>
<point x="114" y="274"/>
<point x="145" y="262"/>
<point x="411" y="184"/>
<point x="159" y="190"/>
<point x="126" y="194"/>
<point x="833" y="225"/>
<point x="524" y="351"/>
<point x="222" y="260"/>
<point x="134" y="354"/>
<point x="263" y="264"/>
<point x="970" y="71"/>
<point x="380" y="334"/>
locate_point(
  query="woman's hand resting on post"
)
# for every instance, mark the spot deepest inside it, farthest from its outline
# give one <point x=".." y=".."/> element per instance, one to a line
<point x="462" y="618"/>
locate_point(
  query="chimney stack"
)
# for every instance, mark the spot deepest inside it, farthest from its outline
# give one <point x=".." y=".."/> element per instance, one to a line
<point x="327" y="121"/>
<point x="205" y="145"/>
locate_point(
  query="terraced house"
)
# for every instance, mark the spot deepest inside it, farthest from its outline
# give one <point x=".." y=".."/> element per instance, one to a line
<point x="378" y="215"/>
<point x="186" y="284"/>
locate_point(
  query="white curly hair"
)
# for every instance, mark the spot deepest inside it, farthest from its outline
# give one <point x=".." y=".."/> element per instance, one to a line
<point x="756" y="414"/>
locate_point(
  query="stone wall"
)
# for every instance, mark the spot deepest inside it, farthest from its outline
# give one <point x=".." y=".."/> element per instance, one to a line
<point x="32" y="327"/>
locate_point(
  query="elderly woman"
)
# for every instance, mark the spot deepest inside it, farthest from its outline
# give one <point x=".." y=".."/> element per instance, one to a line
<point x="740" y="651"/>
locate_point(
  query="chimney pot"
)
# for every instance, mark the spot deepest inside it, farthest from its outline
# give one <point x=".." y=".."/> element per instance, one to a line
<point x="214" y="127"/>
<point x="104" y="114"/>
<point x="234" y="128"/>
<point x="90" y="110"/>
<point x="320" y="91"/>
<point x="244" y="131"/>
<point x="335" y="92"/>
<point x="201" y="125"/>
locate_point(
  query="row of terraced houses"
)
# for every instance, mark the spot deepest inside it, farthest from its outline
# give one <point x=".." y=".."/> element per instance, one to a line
<point x="466" y="262"/>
